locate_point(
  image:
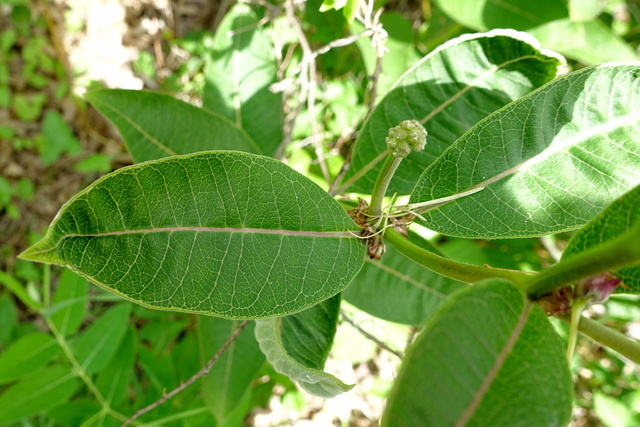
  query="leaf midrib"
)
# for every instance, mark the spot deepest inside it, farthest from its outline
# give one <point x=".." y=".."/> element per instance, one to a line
<point x="247" y="230"/>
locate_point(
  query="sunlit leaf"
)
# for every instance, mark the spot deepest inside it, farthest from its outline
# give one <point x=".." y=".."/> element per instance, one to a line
<point x="222" y="233"/>
<point x="483" y="15"/>
<point x="298" y="345"/>
<point x="155" y="126"/>
<point x="449" y="91"/>
<point x="549" y="162"/>
<point x="238" y="74"/>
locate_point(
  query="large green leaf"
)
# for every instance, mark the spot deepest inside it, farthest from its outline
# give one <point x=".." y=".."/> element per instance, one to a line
<point x="155" y="126"/>
<point x="227" y="383"/>
<point x="26" y="355"/>
<point x="449" y="91"/>
<point x="399" y="290"/>
<point x="69" y="302"/>
<point x="37" y="393"/>
<point x="238" y="74"/>
<point x="298" y="345"/>
<point x="489" y="357"/>
<point x="588" y="42"/>
<point x="98" y="344"/>
<point x="614" y="221"/>
<point x="221" y="233"/>
<point x="483" y="15"/>
<point x="549" y="162"/>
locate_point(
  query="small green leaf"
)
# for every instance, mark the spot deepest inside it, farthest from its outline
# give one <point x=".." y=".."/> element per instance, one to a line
<point x="238" y="74"/>
<point x="548" y="162"/>
<point x="155" y="126"/>
<point x="483" y="15"/>
<point x="297" y="346"/>
<point x="95" y="163"/>
<point x="117" y="375"/>
<point x="488" y="357"/>
<point x="37" y="393"/>
<point x="448" y="92"/>
<point x="221" y="233"/>
<point x="69" y="302"/>
<point x="614" y="221"/>
<point x="230" y="378"/>
<point x="98" y="344"/>
<point x="399" y="290"/>
<point x="26" y="355"/>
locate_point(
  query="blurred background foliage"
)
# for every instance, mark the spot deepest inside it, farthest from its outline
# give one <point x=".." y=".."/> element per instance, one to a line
<point x="52" y="144"/>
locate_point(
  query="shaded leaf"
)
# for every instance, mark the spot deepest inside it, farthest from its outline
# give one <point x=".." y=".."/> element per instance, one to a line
<point x="614" y="221"/>
<point x="297" y="346"/>
<point x="549" y="162"/>
<point x="488" y="357"/>
<point x="155" y="126"/>
<point x="37" y="393"/>
<point x="588" y="42"/>
<point x="221" y="233"/>
<point x="69" y="302"/>
<point x="229" y="380"/>
<point x="483" y="15"/>
<point x="238" y="74"/>
<point x="26" y="355"/>
<point x="117" y="375"/>
<point x="449" y="91"/>
<point x="399" y="290"/>
<point x="99" y="342"/>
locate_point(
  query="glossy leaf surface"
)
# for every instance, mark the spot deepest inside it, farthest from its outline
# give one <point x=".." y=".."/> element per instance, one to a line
<point x="449" y="91"/>
<point x="220" y="233"/>
<point x="239" y="72"/>
<point x="229" y="379"/>
<point x="397" y="289"/>
<point x="298" y="345"/>
<point x="155" y="126"/>
<point x="489" y="357"/>
<point x="549" y="162"/>
<point x="614" y="221"/>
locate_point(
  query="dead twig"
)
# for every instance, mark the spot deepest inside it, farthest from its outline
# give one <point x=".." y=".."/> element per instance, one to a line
<point x="201" y="373"/>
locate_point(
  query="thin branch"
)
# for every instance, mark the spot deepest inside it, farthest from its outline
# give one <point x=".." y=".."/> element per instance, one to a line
<point x="369" y="336"/>
<point x="201" y="373"/>
<point x="308" y="85"/>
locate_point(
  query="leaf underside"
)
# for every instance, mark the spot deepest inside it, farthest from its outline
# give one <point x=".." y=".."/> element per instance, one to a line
<point x="221" y="233"/>
<point x="449" y="91"/>
<point x="488" y="357"/>
<point x="549" y="162"/>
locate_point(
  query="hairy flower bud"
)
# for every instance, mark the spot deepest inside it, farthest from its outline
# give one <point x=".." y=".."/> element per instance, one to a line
<point x="408" y="135"/>
<point x="597" y="288"/>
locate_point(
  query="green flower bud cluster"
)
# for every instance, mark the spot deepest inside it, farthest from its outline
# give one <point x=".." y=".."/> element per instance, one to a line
<point x="408" y="135"/>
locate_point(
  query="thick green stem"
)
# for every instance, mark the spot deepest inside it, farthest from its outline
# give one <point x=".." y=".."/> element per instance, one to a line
<point x="382" y="183"/>
<point x="611" y="255"/>
<point x="613" y="339"/>
<point x="449" y="268"/>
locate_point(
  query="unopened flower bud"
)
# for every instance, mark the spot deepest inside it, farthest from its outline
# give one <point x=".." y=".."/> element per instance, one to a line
<point x="408" y="135"/>
<point x="597" y="288"/>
